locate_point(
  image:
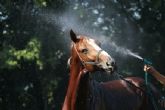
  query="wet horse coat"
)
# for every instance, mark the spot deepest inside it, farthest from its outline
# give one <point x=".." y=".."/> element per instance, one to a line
<point x="112" y="95"/>
<point x="86" y="94"/>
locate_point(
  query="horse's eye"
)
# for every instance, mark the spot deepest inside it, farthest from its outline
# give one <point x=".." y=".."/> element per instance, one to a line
<point x="85" y="51"/>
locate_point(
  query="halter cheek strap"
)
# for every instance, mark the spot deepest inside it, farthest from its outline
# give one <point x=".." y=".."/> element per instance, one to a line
<point x="97" y="59"/>
<point x="89" y="62"/>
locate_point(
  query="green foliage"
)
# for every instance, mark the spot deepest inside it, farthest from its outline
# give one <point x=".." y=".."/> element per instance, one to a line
<point x="41" y="3"/>
<point x="31" y="53"/>
<point x="51" y="86"/>
<point x="34" y="51"/>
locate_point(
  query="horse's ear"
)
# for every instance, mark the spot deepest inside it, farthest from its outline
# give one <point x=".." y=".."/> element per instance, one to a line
<point x="73" y="36"/>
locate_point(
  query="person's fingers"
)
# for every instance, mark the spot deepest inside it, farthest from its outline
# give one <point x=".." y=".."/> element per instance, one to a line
<point x="146" y="68"/>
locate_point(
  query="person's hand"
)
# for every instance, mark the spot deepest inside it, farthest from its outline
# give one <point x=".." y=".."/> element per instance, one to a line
<point x="149" y="69"/>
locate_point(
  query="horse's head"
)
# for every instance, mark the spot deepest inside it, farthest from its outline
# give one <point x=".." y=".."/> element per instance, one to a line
<point x="91" y="55"/>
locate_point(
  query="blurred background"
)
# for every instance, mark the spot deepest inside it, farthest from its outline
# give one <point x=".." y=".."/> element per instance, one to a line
<point x="35" y="44"/>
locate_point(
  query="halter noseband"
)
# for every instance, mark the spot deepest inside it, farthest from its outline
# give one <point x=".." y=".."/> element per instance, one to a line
<point x="96" y="62"/>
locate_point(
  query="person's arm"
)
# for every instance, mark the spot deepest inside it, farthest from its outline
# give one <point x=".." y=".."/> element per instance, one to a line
<point x="155" y="73"/>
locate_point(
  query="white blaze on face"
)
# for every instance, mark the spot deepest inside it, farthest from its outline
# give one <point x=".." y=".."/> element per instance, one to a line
<point x="105" y="57"/>
<point x="93" y="44"/>
<point x="97" y="48"/>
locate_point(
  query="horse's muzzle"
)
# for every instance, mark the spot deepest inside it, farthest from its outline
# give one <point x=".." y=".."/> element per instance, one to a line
<point x="109" y="66"/>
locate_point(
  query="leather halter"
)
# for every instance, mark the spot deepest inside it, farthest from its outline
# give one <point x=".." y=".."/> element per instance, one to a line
<point x="96" y="62"/>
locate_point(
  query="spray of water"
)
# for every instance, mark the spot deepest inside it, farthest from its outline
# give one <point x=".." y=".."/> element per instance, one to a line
<point x="121" y="50"/>
<point x="134" y="55"/>
<point x="69" y="20"/>
<point x="66" y="21"/>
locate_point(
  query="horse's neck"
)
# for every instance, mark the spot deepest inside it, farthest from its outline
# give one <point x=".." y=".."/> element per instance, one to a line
<point x="84" y="92"/>
<point x="75" y="75"/>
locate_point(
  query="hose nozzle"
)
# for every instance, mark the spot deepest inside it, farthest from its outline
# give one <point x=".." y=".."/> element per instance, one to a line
<point x="147" y="62"/>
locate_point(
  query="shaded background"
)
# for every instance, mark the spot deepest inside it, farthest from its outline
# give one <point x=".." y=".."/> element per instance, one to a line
<point x="35" y="44"/>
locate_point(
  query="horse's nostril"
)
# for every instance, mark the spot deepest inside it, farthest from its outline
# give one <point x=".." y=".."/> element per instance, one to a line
<point x="108" y="63"/>
<point x="112" y="63"/>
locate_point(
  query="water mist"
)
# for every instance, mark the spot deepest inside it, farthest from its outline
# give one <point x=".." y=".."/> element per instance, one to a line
<point x="70" y="20"/>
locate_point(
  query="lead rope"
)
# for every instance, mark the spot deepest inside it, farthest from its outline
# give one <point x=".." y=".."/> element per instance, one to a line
<point x="129" y="82"/>
<point x="149" y="93"/>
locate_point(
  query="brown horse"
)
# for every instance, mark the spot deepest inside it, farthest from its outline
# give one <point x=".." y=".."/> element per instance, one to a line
<point x="86" y="94"/>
